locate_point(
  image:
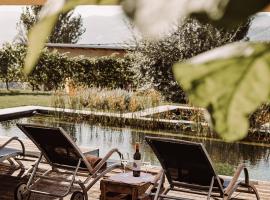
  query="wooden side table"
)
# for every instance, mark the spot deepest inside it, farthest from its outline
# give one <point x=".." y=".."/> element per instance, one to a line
<point x="125" y="186"/>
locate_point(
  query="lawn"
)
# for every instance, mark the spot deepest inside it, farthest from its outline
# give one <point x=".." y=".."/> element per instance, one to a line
<point x="16" y="98"/>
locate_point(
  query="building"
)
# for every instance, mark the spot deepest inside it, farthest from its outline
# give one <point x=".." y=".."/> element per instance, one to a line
<point x="89" y="50"/>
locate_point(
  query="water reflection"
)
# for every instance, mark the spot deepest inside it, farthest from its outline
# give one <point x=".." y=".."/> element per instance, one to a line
<point x="226" y="156"/>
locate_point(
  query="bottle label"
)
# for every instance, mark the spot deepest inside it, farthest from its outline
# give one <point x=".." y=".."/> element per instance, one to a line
<point x="137" y="165"/>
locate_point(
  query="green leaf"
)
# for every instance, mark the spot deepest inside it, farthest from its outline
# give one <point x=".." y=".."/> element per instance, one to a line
<point x="40" y="32"/>
<point x="37" y="38"/>
<point x="231" y="82"/>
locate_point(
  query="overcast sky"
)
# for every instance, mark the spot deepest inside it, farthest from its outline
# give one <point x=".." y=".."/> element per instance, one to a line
<point x="108" y="25"/>
<point x="104" y="24"/>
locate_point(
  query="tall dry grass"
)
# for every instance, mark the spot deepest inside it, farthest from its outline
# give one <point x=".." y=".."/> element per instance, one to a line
<point x="104" y="99"/>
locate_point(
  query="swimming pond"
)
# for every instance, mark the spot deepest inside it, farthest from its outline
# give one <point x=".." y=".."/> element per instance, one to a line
<point x="226" y="156"/>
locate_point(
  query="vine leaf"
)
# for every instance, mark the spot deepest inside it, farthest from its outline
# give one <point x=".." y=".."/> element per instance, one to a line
<point x="39" y="34"/>
<point x="231" y="82"/>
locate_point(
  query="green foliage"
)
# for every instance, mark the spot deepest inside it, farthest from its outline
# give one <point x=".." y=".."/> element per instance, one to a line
<point x="154" y="58"/>
<point x="11" y="57"/>
<point x="50" y="71"/>
<point x="231" y="82"/>
<point x="53" y="68"/>
<point x="260" y="117"/>
<point x="224" y="169"/>
<point x="107" y="71"/>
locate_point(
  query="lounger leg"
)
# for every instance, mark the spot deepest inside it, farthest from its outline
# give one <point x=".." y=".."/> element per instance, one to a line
<point x="249" y="186"/>
<point x="33" y="172"/>
<point x="42" y="176"/>
<point x="21" y="166"/>
<point x="102" y="174"/>
<point x="211" y="188"/>
<point x="12" y="164"/>
<point x="84" y="191"/>
<point x="165" y="192"/>
<point x="28" y="171"/>
<point x="73" y="178"/>
<point x="255" y="191"/>
<point x="159" y="186"/>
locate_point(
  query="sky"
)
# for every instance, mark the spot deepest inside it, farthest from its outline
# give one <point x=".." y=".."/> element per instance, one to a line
<point x="109" y="25"/>
<point x="260" y="27"/>
<point x="104" y="24"/>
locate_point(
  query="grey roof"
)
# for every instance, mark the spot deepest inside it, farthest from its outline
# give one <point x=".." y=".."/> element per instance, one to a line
<point x="115" y="46"/>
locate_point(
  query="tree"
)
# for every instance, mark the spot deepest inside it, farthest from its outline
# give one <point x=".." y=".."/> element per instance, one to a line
<point x="155" y="58"/>
<point x="68" y="28"/>
<point x="11" y="59"/>
<point x="50" y="71"/>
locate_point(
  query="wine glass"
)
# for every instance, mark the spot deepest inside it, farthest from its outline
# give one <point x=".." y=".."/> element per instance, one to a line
<point x="125" y="160"/>
<point x="146" y="164"/>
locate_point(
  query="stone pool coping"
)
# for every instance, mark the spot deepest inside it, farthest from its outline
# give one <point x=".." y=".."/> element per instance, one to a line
<point x="137" y="117"/>
<point x="140" y="116"/>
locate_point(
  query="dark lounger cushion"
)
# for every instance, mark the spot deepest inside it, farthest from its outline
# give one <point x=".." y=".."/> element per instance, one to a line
<point x="94" y="160"/>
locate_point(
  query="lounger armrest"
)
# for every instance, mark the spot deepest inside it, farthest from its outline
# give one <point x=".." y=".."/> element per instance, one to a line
<point x="235" y="180"/>
<point x="14" y="139"/>
<point x="104" y="160"/>
<point x="154" y="183"/>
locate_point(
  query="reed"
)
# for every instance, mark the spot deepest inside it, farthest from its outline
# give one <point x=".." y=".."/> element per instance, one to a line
<point x="109" y="100"/>
<point x="122" y="101"/>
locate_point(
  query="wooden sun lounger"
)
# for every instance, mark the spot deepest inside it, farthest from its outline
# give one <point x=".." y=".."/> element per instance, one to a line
<point x="188" y="168"/>
<point x="64" y="157"/>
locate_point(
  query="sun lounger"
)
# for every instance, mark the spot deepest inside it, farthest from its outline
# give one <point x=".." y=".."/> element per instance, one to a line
<point x="61" y="153"/>
<point x="188" y="168"/>
<point x="11" y="154"/>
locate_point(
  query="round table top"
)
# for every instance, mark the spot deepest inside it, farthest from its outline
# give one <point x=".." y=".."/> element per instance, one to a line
<point x="130" y="179"/>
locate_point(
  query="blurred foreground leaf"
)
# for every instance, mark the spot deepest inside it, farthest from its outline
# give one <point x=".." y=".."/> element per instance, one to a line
<point x="40" y="32"/>
<point x="231" y="82"/>
<point x="234" y="13"/>
<point x="227" y="14"/>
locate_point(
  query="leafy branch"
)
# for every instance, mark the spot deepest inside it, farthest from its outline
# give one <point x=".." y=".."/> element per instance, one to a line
<point x="230" y="87"/>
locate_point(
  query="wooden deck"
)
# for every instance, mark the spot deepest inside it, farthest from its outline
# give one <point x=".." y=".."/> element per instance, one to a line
<point x="9" y="179"/>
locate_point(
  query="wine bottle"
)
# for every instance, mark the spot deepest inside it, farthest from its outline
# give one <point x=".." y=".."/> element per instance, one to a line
<point x="137" y="161"/>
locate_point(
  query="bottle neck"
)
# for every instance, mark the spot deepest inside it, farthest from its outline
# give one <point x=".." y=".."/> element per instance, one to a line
<point x="137" y="147"/>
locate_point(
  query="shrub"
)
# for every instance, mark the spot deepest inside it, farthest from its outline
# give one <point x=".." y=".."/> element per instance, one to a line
<point x="106" y="71"/>
<point x="154" y="58"/>
<point x="260" y="116"/>
<point x="53" y="68"/>
<point x="50" y="71"/>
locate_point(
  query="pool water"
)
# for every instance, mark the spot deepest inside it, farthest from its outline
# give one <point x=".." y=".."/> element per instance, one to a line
<point x="226" y="156"/>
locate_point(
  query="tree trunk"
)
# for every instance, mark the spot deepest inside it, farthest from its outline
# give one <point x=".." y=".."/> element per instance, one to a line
<point x="7" y="86"/>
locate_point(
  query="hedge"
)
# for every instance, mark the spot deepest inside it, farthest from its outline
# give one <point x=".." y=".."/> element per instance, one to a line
<point x="53" y="68"/>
